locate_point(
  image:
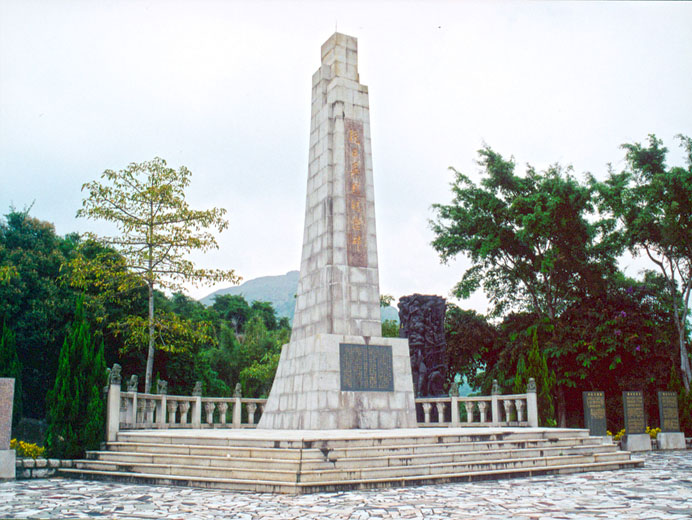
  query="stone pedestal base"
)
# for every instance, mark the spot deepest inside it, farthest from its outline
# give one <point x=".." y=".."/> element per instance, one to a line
<point x="307" y="395"/>
<point x="637" y="442"/>
<point x="671" y="441"/>
<point x="8" y="462"/>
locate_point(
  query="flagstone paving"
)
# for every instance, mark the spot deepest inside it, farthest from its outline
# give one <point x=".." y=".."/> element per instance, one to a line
<point x="662" y="489"/>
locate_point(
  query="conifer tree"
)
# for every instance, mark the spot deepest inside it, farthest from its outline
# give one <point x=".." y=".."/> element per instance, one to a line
<point x="10" y="366"/>
<point x="76" y="411"/>
<point x="536" y="367"/>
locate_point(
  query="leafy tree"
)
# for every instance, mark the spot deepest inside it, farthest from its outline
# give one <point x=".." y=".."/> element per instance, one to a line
<point x="469" y="338"/>
<point x="653" y="206"/>
<point x="33" y="303"/>
<point x="233" y="308"/>
<point x="266" y="312"/>
<point x="11" y="367"/>
<point x="76" y="411"/>
<point x="531" y="239"/>
<point x="157" y="229"/>
<point x="390" y="329"/>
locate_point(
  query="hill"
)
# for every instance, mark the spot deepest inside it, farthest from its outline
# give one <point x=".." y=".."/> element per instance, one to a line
<point x="279" y="291"/>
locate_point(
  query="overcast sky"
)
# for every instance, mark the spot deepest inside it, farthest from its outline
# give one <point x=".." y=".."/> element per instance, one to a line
<point x="224" y="89"/>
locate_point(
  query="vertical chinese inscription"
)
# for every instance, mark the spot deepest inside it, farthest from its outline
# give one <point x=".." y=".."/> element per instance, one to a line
<point x="366" y="368"/>
<point x="594" y="412"/>
<point x="668" y="411"/>
<point x="355" y="194"/>
<point x="6" y="404"/>
<point x="635" y="422"/>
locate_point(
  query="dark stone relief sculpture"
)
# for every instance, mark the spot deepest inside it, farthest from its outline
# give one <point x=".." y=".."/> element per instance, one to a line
<point x="422" y="321"/>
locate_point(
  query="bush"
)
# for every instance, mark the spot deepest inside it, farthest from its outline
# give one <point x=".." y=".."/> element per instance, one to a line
<point x="26" y="449"/>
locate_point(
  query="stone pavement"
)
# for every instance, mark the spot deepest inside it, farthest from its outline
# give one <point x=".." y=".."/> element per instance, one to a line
<point x="662" y="489"/>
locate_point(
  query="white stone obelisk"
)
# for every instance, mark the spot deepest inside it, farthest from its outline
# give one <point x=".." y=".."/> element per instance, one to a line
<point x="337" y="372"/>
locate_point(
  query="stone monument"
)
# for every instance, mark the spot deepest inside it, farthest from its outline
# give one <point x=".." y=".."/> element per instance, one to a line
<point x="670" y="437"/>
<point x="7" y="455"/>
<point x="337" y="372"/>
<point x="595" y="413"/>
<point x="636" y="438"/>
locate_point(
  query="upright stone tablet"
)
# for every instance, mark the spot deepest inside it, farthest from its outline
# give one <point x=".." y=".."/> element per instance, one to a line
<point x="594" y="413"/>
<point x="337" y="372"/>
<point x="670" y="437"/>
<point x="636" y="438"/>
<point x="7" y="456"/>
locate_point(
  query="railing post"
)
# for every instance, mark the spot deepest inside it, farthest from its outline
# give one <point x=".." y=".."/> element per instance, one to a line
<point x="113" y="405"/>
<point x="162" y="389"/>
<point x="469" y="411"/>
<point x="455" y="405"/>
<point x="531" y="404"/>
<point x="197" y="405"/>
<point x="426" y="412"/>
<point x="494" y="403"/>
<point x="251" y="408"/>
<point x="237" y="412"/>
<point x="132" y="411"/>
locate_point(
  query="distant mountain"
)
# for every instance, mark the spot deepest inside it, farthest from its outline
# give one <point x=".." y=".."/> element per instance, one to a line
<point x="280" y="291"/>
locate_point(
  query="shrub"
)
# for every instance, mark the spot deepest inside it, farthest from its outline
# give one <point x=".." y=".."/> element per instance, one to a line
<point x="26" y="449"/>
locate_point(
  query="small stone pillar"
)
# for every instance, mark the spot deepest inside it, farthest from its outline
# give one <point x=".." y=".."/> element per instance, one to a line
<point x="197" y="405"/>
<point x="531" y="404"/>
<point x="454" y="394"/>
<point x="237" y="394"/>
<point x="113" y="404"/>
<point x="162" y="390"/>
<point x="495" y="403"/>
<point x="8" y="457"/>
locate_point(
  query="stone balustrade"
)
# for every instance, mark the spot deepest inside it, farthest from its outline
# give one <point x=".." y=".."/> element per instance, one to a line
<point x="130" y="409"/>
<point x="493" y="410"/>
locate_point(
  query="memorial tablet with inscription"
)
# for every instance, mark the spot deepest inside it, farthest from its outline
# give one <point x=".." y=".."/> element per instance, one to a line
<point x="366" y="368"/>
<point x="635" y="421"/>
<point x="668" y="411"/>
<point x="594" y="413"/>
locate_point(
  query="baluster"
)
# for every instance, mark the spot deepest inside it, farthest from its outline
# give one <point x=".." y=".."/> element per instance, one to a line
<point x="251" y="408"/>
<point x="223" y="408"/>
<point x="184" y="407"/>
<point x="519" y="404"/>
<point x="426" y="412"/>
<point x="469" y="411"/>
<point x="482" y="407"/>
<point x="149" y="406"/>
<point x="172" y="408"/>
<point x="507" y="403"/>
<point x="140" y="410"/>
<point x="440" y="412"/>
<point x="209" y="409"/>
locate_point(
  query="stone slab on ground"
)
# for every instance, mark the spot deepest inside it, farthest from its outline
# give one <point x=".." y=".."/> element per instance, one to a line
<point x="659" y="490"/>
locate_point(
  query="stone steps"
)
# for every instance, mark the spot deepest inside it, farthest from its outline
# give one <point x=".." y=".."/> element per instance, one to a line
<point x="296" y="462"/>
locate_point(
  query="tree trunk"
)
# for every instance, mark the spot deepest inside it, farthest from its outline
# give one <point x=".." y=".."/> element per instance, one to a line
<point x="150" y="353"/>
<point x="684" y="360"/>
<point x="561" y="407"/>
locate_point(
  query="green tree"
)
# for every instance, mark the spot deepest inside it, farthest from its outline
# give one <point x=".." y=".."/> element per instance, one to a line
<point x="157" y="229"/>
<point x="653" y="206"/>
<point x="536" y="367"/>
<point x="390" y="329"/>
<point x="532" y="240"/>
<point x="33" y="303"/>
<point x="469" y="338"/>
<point x="11" y="367"/>
<point x="233" y="308"/>
<point x="76" y="411"/>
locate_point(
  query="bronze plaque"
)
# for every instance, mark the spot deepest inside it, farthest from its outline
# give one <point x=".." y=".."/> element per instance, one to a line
<point x="635" y="421"/>
<point x="668" y="411"/>
<point x="366" y="368"/>
<point x="594" y="413"/>
<point x="356" y="216"/>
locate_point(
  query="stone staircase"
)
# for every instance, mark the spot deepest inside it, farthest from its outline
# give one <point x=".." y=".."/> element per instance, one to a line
<point x="308" y="461"/>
